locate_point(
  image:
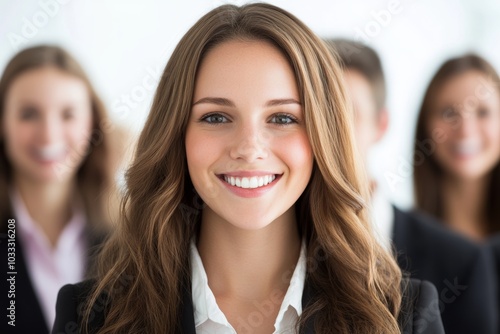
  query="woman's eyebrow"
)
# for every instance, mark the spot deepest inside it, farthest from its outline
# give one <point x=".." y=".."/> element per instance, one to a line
<point x="280" y="102"/>
<point x="228" y="103"/>
<point x="216" y="100"/>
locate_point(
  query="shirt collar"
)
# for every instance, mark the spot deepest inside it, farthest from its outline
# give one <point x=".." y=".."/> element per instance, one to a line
<point x="29" y="230"/>
<point x="204" y="302"/>
<point x="293" y="296"/>
<point x="382" y="216"/>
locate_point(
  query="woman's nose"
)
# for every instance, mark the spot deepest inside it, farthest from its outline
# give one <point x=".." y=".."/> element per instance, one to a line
<point x="50" y="130"/>
<point x="467" y="124"/>
<point x="250" y="144"/>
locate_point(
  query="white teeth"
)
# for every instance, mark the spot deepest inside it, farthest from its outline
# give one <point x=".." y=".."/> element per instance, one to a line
<point x="249" y="182"/>
<point x="245" y="183"/>
<point x="51" y="152"/>
<point x="468" y="147"/>
<point x="254" y="182"/>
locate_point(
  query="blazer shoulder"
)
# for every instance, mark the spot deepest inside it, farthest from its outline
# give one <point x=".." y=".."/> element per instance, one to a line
<point x="462" y="271"/>
<point x="493" y="243"/>
<point x="71" y="306"/>
<point x="420" y="308"/>
<point x="436" y="235"/>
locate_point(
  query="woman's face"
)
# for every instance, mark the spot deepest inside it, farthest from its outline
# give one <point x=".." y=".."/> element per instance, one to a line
<point x="47" y="124"/>
<point x="467" y="112"/>
<point x="248" y="153"/>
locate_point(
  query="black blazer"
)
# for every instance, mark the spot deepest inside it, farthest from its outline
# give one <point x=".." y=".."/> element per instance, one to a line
<point x="494" y="246"/>
<point x="419" y="315"/>
<point x="460" y="270"/>
<point x="28" y="312"/>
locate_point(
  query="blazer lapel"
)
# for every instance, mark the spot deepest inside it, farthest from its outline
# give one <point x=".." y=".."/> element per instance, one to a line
<point x="306" y="299"/>
<point x="399" y="229"/>
<point x="400" y="237"/>
<point x="187" y="312"/>
<point x="29" y="314"/>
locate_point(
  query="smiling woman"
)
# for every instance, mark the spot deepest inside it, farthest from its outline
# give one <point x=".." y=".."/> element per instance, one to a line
<point x="257" y="134"/>
<point x="251" y="117"/>
<point x="459" y="178"/>
<point x="57" y="168"/>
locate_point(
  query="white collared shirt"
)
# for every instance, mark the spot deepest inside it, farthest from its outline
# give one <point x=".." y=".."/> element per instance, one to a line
<point x="209" y="318"/>
<point x="382" y="217"/>
<point x="50" y="268"/>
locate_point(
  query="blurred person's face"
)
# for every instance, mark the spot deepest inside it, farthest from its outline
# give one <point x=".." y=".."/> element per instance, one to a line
<point x="370" y="124"/>
<point x="467" y="110"/>
<point x="248" y="153"/>
<point x="47" y="124"/>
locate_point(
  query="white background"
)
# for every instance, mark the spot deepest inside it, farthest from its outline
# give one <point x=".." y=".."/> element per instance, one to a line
<point x="124" y="45"/>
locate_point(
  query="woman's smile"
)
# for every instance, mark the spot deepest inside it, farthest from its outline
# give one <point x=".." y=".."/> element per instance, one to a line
<point x="249" y="184"/>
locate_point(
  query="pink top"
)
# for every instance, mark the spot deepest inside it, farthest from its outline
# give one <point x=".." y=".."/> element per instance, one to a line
<point x="50" y="267"/>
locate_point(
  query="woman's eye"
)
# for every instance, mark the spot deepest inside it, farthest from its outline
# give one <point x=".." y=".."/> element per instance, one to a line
<point x="449" y="113"/>
<point x="68" y="114"/>
<point x="28" y="113"/>
<point x="483" y="113"/>
<point x="215" y="119"/>
<point x="283" y="119"/>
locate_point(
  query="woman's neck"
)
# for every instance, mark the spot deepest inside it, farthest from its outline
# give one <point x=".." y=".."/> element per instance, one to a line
<point x="464" y="206"/>
<point x="248" y="267"/>
<point x="48" y="204"/>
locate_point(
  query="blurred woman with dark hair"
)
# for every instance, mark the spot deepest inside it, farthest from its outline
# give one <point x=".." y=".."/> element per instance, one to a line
<point x="457" y="148"/>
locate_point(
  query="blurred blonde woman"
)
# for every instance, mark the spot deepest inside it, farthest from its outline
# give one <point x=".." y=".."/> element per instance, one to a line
<point x="245" y="206"/>
<point x="58" y="158"/>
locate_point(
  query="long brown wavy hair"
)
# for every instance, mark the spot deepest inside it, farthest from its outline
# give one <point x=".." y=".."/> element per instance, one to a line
<point x="427" y="172"/>
<point x="145" y="267"/>
<point x="96" y="174"/>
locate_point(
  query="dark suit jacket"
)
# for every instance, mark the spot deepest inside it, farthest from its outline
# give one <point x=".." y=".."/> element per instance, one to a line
<point x="28" y="312"/>
<point x="460" y="270"/>
<point x="419" y="315"/>
<point x="494" y="247"/>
